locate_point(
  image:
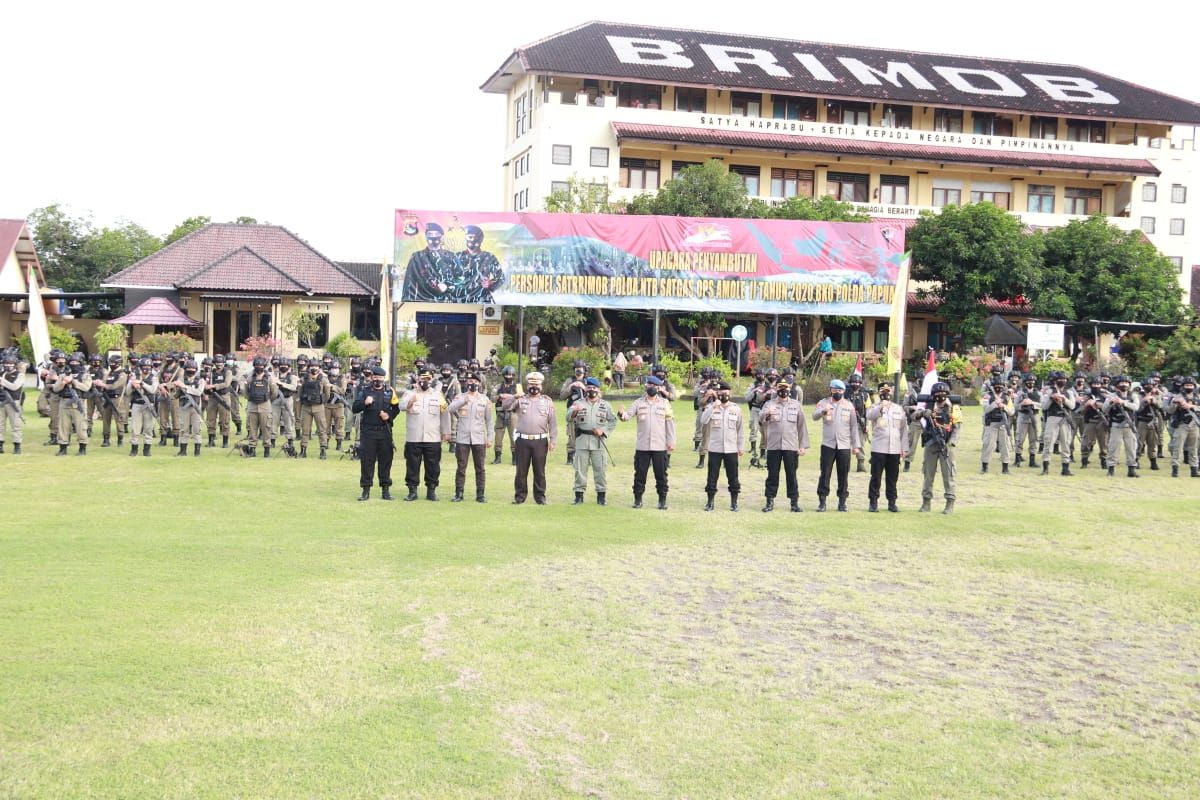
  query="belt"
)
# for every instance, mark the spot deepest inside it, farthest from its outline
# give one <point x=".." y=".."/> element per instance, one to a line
<point x="533" y="436"/>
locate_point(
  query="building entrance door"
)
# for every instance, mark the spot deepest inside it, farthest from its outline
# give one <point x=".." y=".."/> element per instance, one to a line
<point x="449" y="336"/>
<point x="222" y="332"/>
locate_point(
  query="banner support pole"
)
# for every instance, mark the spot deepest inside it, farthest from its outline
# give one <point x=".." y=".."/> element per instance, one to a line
<point x="775" y="342"/>
<point x="392" y="342"/>
<point x="655" y="349"/>
<point x="520" y="342"/>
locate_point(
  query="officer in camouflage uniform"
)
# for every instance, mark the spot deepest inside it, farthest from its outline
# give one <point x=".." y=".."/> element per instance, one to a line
<point x="593" y="420"/>
<point x="1095" y="421"/>
<point x="72" y="386"/>
<point x="95" y="400"/>
<point x="942" y="420"/>
<point x="12" y="399"/>
<point x="1058" y="402"/>
<point x="756" y="397"/>
<point x="572" y="391"/>
<point x="1184" y="414"/>
<point x="1120" y="407"/>
<point x="314" y="396"/>
<point x="190" y="390"/>
<point x="262" y="388"/>
<point x="111" y="389"/>
<point x="857" y="394"/>
<point x="337" y="405"/>
<point x="283" y="414"/>
<point x="142" y="391"/>
<point x="218" y="409"/>
<point x="997" y="411"/>
<point x="1149" y="422"/>
<point x="504" y="419"/>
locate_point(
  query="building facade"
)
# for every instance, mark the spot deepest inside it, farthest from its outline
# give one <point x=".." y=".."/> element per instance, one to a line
<point x="894" y="133"/>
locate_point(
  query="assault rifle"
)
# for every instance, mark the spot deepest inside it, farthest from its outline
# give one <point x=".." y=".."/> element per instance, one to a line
<point x="11" y="400"/>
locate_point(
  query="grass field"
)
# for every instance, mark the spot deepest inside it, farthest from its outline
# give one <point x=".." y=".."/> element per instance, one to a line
<point x="219" y="627"/>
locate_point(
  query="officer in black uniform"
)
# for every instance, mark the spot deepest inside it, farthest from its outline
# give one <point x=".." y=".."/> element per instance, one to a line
<point x="378" y="404"/>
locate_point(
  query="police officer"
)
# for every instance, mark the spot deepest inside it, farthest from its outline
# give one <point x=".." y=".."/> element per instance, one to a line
<point x="1028" y="402"/>
<point x="667" y="391"/>
<point x="1184" y="411"/>
<point x="722" y="420"/>
<point x="314" y="395"/>
<point x="756" y="397"/>
<point x="1120" y="407"/>
<point x="450" y="388"/>
<point x="593" y="420"/>
<point x="942" y="422"/>
<point x="142" y="391"/>
<point x="785" y="439"/>
<point x="1095" y="422"/>
<point x="572" y="391"/>
<point x="705" y="395"/>
<point x="337" y="407"/>
<point x="72" y="386"/>
<point x="169" y="373"/>
<point x="911" y="400"/>
<point x="95" y="400"/>
<point x="537" y="435"/>
<point x="504" y="419"/>
<point x="190" y="390"/>
<point x="840" y="437"/>
<point x="997" y="411"/>
<point x="889" y="444"/>
<point x="378" y="405"/>
<point x="1058" y="402"/>
<point x="113" y="411"/>
<point x="48" y="374"/>
<point x="219" y="410"/>
<point x="1149" y="421"/>
<point x="655" y="439"/>
<point x="235" y="392"/>
<point x="427" y="427"/>
<point x="283" y="408"/>
<point x="857" y="394"/>
<point x="12" y="399"/>
<point x="261" y="390"/>
<point x="476" y="429"/>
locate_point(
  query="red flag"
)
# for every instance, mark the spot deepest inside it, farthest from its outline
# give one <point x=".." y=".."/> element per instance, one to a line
<point x="858" y="365"/>
<point x="931" y="364"/>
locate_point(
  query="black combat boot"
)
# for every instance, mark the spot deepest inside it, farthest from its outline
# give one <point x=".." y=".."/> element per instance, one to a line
<point x="1153" y="464"/>
<point x="480" y="497"/>
<point x="925" y="507"/>
<point x="1132" y="473"/>
<point x="662" y="502"/>
<point x="1004" y="469"/>
<point x="16" y="448"/>
<point x="449" y="447"/>
<point x="224" y="442"/>
<point x="182" y="450"/>
<point x="700" y="465"/>
<point x="820" y="504"/>
<point x="1066" y="469"/>
<point x="458" y="497"/>
<point x="907" y="464"/>
<point x="196" y="449"/>
<point x="412" y="494"/>
<point x="874" y="506"/>
<point x="1045" y="467"/>
<point x="431" y="495"/>
<point x="770" y="505"/>
<point x="695" y="445"/>
<point x="570" y="458"/>
<point x="145" y="450"/>
<point x="120" y="439"/>
<point x="1112" y="471"/>
<point x="337" y="445"/>
<point x="794" y="505"/>
<point x="1033" y="463"/>
<point x="387" y="493"/>
<point x="496" y="459"/>
<point x="366" y="493"/>
<point x="513" y="459"/>
<point x="106" y="442"/>
<point x="212" y="440"/>
<point x="1084" y="462"/>
<point x="162" y="439"/>
<point x="712" y="496"/>
<point x="892" y="507"/>
<point x="266" y="451"/>
<point x="1020" y="459"/>
<point x="949" y="509"/>
<point x="578" y="499"/>
<point x="304" y="451"/>
<point x="53" y="440"/>
<point x="733" y="501"/>
<point x="1" y="448"/>
<point x="984" y="469"/>
<point x="62" y="450"/>
<point x="1174" y="470"/>
<point x="600" y="499"/>
<point x="637" y="501"/>
<point x="82" y="450"/>
<point x="324" y="456"/>
<point x="842" y="505"/>
<point x="1196" y="472"/>
<point x="861" y="467"/>
<point x="238" y="427"/>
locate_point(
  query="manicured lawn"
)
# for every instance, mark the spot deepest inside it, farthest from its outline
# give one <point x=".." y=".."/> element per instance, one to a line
<point x="219" y="627"/>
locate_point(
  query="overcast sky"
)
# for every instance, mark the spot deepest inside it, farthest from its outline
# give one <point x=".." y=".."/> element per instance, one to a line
<point x="326" y="117"/>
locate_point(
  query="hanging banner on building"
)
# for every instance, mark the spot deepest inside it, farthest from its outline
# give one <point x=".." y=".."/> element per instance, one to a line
<point x="647" y="262"/>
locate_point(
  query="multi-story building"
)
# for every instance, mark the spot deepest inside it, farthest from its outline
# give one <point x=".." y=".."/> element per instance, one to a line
<point x="893" y="132"/>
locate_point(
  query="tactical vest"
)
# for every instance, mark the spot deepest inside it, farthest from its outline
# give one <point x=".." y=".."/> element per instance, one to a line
<point x="310" y="393"/>
<point x="257" y="389"/>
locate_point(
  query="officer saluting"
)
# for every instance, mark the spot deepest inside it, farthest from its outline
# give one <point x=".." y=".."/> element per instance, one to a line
<point x="537" y="434"/>
<point x="378" y="405"/>
<point x="889" y="444"/>
<point x="655" y="440"/>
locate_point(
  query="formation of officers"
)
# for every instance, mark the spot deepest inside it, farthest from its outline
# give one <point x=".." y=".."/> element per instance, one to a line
<point x="472" y="408"/>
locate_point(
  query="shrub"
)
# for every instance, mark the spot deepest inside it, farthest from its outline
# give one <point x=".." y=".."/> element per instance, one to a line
<point x="166" y="343"/>
<point x="111" y="336"/>
<point x="1183" y="352"/>
<point x="677" y="369"/>
<point x="345" y="346"/>
<point x="957" y="368"/>
<point x="60" y="338"/>
<point x="563" y="365"/>
<point x="724" y="368"/>
<point x="761" y="358"/>
<point x="840" y="366"/>
<point x="264" y="346"/>
<point x="1042" y="369"/>
<point x="407" y="353"/>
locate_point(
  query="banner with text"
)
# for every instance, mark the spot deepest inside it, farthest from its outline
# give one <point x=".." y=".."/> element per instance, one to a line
<point x="647" y="262"/>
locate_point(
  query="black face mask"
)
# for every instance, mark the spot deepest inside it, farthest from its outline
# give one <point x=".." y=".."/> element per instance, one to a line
<point x="651" y="390"/>
<point x="836" y="395"/>
<point x="885" y="395"/>
<point x="535" y="390"/>
<point x="423" y="385"/>
<point x="592" y="393"/>
<point x="724" y="398"/>
<point x="191" y="373"/>
<point x="377" y="381"/>
<point x="472" y="388"/>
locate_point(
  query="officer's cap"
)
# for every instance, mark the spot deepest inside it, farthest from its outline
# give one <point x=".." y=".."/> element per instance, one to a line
<point x="653" y="381"/>
<point x="474" y="230"/>
<point x="433" y="227"/>
<point x="592" y="382"/>
<point x="723" y="386"/>
<point x="380" y="371"/>
<point x="424" y="373"/>
<point x="535" y="377"/>
<point x="836" y="384"/>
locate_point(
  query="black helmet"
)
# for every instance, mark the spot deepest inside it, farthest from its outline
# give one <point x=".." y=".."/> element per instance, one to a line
<point x="508" y="372"/>
<point x="461" y="363"/>
<point x="997" y="381"/>
<point x="190" y="365"/>
<point x="772" y="373"/>
<point x="1029" y="377"/>
<point x="658" y="368"/>
<point x="219" y="358"/>
<point x="1117" y="381"/>
<point x="115" y="358"/>
<point x="855" y="379"/>
<point x="259" y="361"/>
<point x="579" y="362"/>
<point x="446" y="367"/>
<point x="144" y="362"/>
<point x="941" y="387"/>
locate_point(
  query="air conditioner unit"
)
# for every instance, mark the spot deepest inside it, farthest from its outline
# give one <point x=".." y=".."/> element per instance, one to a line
<point x="492" y="313"/>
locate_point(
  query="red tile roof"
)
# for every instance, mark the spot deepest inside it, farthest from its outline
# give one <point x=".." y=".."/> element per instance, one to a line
<point x="238" y="258"/>
<point x="878" y="149"/>
<point x="158" y="311"/>
<point x="15" y="236"/>
<point x="930" y="305"/>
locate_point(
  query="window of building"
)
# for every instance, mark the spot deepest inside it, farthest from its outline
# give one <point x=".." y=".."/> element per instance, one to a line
<point x="321" y="337"/>
<point x="1043" y="127"/>
<point x="264" y="324"/>
<point x="937" y="336"/>
<point x="948" y="119"/>
<point x="1083" y="201"/>
<point x="364" y="320"/>
<point x="848" y="113"/>
<point x="881" y="338"/>
<point x="1177" y="227"/>
<point x="639" y="95"/>
<point x="991" y="124"/>
<point x="1148" y="224"/>
<point x="746" y="104"/>
<point x="1041" y="199"/>
<point x="787" y="107"/>
<point x="557" y="187"/>
<point x="560" y="154"/>
<point x="693" y="100"/>
<point x="791" y="182"/>
<point x="893" y="189"/>
<point x="998" y="199"/>
<point x="1156" y="142"/>
<point x="1178" y="193"/>
<point x="599" y="157"/>
<point x="1086" y="130"/>
<point x="1177" y="261"/>
<point x="1149" y="192"/>
<point x="521" y="115"/>
<point x="749" y="175"/>
<point x="896" y="116"/>
<point x="845" y="338"/>
<point x="947" y="197"/>
<point x="639" y="173"/>
<point x="679" y="166"/>
<point x="849" y="187"/>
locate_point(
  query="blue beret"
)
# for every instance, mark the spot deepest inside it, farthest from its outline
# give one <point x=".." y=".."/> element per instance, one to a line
<point x="653" y="381"/>
<point x="836" y="384"/>
<point x="378" y="371"/>
<point x="592" y="382"/>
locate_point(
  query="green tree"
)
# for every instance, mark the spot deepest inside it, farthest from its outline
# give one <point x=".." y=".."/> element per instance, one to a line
<point x="302" y="326"/>
<point x="111" y="250"/>
<point x="826" y="209"/>
<point x="547" y="321"/>
<point x="245" y="221"/>
<point x="580" y="197"/>
<point x="702" y="190"/>
<point x="184" y="228"/>
<point x="1095" y="270"/>
<point x="972" y="252"/>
